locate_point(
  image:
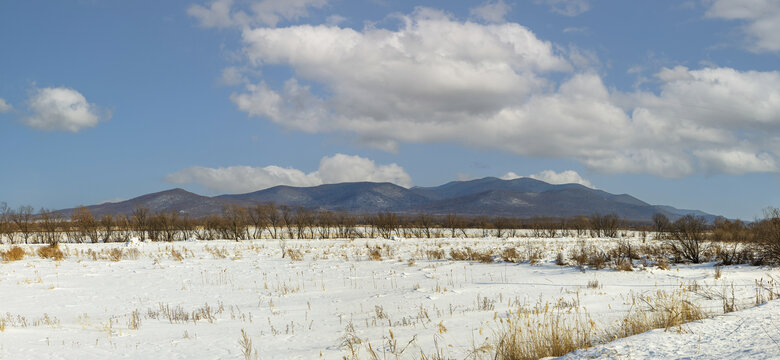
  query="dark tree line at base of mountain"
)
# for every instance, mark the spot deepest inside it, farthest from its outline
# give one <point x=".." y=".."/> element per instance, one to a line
<point x="686" y="236"/>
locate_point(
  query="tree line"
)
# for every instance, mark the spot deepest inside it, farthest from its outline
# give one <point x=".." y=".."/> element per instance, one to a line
<point x="686" y="235"/>
<point x="25" y="225"/>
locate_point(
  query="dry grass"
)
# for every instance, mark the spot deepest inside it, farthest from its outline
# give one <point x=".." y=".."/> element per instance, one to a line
<point x="664" y="311"/>
<point x="115" y="254"/>
<point x="510" y="254"/>
<point x="294" y="254"/>
<point x="543" y="332"/>
<point x="469" y="254"/>
<point x="246" y="346"/>
<point x="437" y="254"/>
<point x="375" y="253"/>
<point x="555" y="330"/>
<point x="51" y="252"/>
<point x="624" y="264"/>
<point x="175" y="255"/>
<point x="13" y="254"/>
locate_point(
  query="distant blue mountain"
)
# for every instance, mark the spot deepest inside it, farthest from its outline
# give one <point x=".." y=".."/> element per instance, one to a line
<point x="521" y="198"/>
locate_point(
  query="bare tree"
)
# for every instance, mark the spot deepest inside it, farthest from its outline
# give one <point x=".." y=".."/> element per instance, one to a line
<point x="454" y="223"/>
<point x="169" y="225"/>
<point x="140" y="222"/>
<point x="604" y="225"/>
<point x="106" y="226"/>
<point x="23" y="220"/>
<point x="6" y="229"/>
<point x="303" y="219"/>
<point x="484" y="223"/>
<point x="501" y="224"/>
<point x="86" y="225"/>
<point x="273" y="218"/>
<point x="580" y="225"/>
<point x="386" y="223"/>
<point x="237" y="221"/>
<point x="326" y="221"/>
<point x="186" y="226"/>
<point x="768" y="234"/>
<point x="51" y="223"/>
<point x="258" y="218"/>
<point x="288" y="220"/>
<point x="661" y="224"/>
<point x="425" y="223"/>
<point x="345" y="225"/>
<point x="688" y="235"/>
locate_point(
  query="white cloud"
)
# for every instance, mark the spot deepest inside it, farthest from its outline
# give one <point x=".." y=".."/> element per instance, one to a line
<point x="552" y="177"/>
<point x="232" y="76"/>
<point x="223" y="13"/>
<point x="334" y="169"/>
<point x="349" y="168"/>
<point x="491" y="11"/>
<point x="761" y="18"/>
<point x="439" y="80"/>
<point x="566" y="7"/>
<point x="62" y="109"/>
<point x="217" y="14"/>
<point x="4" y="106"/>
<point x="433" y="72"/>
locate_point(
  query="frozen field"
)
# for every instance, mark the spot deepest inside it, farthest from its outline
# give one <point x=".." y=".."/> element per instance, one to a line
<point x="335" y="298"/>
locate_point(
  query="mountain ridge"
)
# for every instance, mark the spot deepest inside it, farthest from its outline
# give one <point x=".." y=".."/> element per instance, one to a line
<point x="490" y="196"/>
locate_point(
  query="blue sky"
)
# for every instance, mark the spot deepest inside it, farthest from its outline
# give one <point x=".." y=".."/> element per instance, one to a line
<point x="675" y="102"/>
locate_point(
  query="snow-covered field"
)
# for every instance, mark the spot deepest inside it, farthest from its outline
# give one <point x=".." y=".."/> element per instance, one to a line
<point x="195" y="299"/>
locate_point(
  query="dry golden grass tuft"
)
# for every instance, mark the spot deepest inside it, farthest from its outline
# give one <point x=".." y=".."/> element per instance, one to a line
<point x="510" y="254"/>
<point x="13" y="254"/>
<point x="484" y="256"/>
<point x="544" y="332"/>
<point x="665" y="311"/>
<point x="555" y="330"/>
<point x="115" y="254"/>
<point x="375" y="254"/>
<point x="51" y="252"/>
<point x="623" y="264"/>
<point x="295" y="254"/>
<point x="175" y="255"/>
<point x="437" y="254"/>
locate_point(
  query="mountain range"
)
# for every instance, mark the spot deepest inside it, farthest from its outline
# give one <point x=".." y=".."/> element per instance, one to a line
<point x="521" y="198"/>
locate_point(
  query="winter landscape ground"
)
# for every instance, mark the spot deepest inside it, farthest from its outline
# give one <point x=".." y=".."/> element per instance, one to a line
<point x="373" y="298"/>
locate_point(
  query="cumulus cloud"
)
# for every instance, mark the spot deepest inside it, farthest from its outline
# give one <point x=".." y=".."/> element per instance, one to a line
<point x="4" y="106"/>
<point x="552" y="177"/>
<point x="435" y="79"/>
<point x="63" y="109"/>
<point x="761" y="19"/>
<point x="225" y="14"/>
<point x="491" y="11"/>
<point x="334" y="169"/>
<point x="566" y="7"/>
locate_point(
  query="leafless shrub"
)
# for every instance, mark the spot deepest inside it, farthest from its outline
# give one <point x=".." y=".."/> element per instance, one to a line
<point x="687" y="238"/>
<point x="768" y="235"/>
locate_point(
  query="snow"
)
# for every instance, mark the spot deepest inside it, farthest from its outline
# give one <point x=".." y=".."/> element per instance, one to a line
<point x="83" y="307"/>
<point x="747" y="334"/>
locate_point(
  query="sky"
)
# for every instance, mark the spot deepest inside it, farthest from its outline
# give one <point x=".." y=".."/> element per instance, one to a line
<point x="674" y="102"/>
